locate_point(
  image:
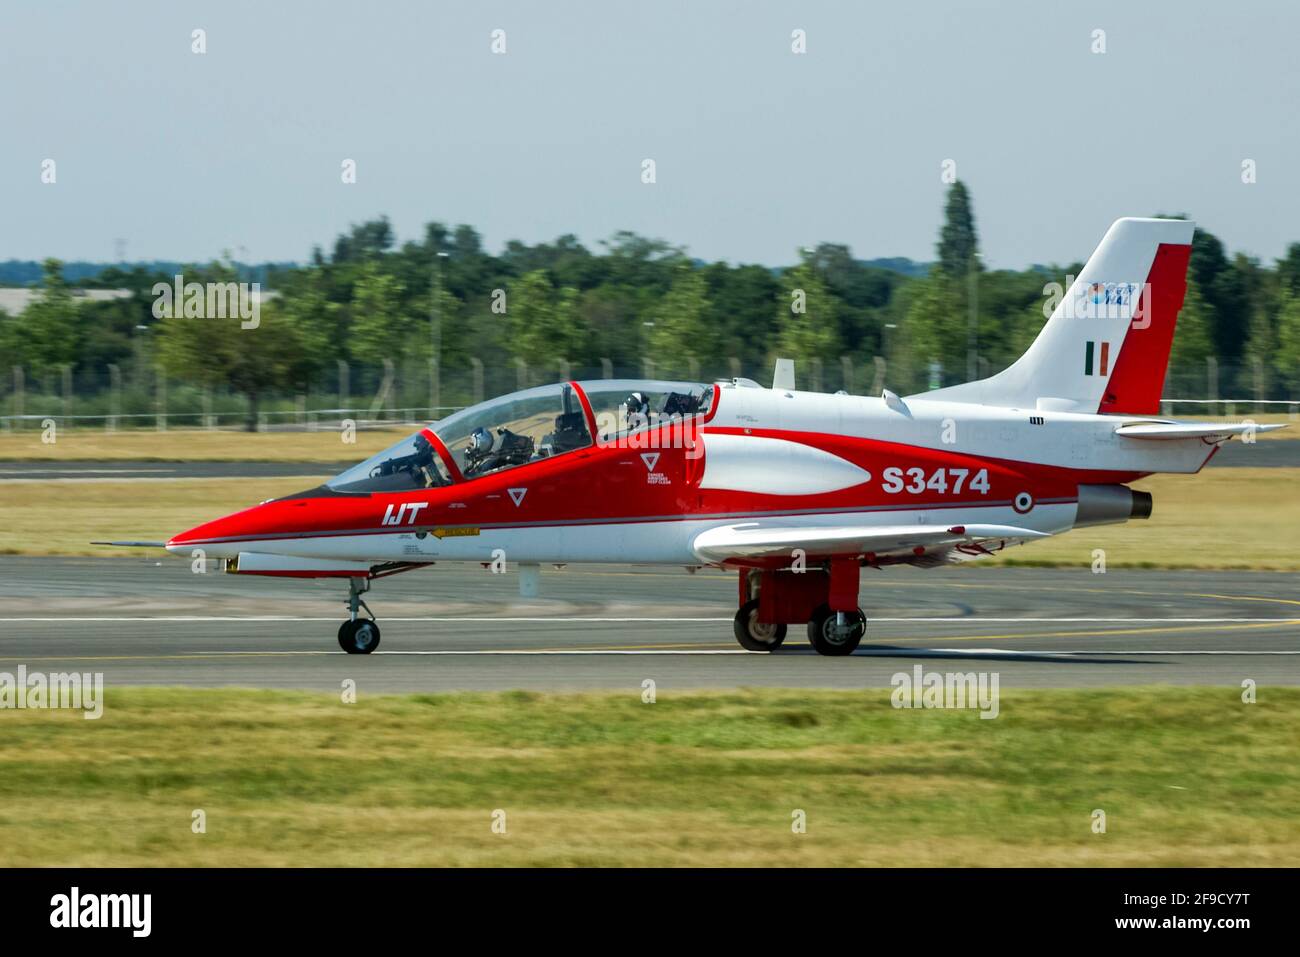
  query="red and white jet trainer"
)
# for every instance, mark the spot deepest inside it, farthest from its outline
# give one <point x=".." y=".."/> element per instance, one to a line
<point x="797" y="491"/>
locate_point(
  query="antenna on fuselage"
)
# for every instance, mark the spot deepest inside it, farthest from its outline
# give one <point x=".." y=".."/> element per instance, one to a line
<point x="783" y="377"/>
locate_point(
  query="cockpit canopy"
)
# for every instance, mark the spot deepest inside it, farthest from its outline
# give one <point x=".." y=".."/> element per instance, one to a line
<point x="523" y="427"/>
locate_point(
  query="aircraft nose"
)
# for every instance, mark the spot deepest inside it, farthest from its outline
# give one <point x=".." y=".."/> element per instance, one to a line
<point x="200" y="538"/>
<point x="221" y="537"/>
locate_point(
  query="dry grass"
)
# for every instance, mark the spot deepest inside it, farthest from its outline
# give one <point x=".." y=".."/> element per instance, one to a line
<point x="1262" y="418"/>
<point x="63" y="518"/>
<point x="1185" y="776"/>
<point x="196" y="446"/>
<point x="1245" y="518"/>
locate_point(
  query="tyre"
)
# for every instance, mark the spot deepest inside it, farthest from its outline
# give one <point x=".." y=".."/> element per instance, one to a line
<point x="830" y="638"/>
<point x="359" y="637"/>
<point x="753" y="634"/>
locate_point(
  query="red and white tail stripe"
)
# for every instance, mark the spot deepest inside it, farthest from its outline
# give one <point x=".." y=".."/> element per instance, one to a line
<point x="1106" y="346"/>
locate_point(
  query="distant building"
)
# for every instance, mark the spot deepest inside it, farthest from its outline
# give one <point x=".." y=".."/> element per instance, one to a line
<point x="14" y="301"/>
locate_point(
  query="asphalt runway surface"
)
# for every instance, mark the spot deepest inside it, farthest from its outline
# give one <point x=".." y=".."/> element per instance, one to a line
<point x="155" y="622"/>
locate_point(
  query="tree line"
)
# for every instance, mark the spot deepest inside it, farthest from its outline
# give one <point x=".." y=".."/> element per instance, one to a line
<point x="372" y="302"/>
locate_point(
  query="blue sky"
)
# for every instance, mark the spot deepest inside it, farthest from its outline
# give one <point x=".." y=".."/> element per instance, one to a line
<point x="758" y="151"/>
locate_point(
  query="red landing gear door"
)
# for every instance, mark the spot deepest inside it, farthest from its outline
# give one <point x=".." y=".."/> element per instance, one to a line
<point x="843" y="595"/>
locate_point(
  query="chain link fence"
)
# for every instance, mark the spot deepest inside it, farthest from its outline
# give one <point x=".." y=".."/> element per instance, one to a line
<point x="112" y="398"/>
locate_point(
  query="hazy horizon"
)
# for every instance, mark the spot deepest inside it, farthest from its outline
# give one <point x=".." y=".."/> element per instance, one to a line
<point x="759" y="151"/>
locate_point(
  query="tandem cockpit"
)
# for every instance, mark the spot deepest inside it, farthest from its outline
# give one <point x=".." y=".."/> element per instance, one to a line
<point x="524" y="427"/>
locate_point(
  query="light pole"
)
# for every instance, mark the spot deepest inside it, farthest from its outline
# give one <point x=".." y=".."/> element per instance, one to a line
<point x="435" y="338"/>
<point x="972" y="334"/>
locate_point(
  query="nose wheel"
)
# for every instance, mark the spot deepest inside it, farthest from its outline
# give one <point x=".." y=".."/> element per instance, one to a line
<point x="358" y="636"/>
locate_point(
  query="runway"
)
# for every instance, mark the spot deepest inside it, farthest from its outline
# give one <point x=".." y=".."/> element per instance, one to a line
<point x="155" y="622"/>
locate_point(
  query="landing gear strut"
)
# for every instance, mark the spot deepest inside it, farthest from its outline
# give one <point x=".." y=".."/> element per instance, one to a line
<point x="358" y="636"/>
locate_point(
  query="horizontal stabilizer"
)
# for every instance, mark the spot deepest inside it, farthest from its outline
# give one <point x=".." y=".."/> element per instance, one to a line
<point x="1192" y="430"/>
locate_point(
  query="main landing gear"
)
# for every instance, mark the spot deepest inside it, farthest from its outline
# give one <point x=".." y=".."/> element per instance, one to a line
<point x="358" y="636"/>
<point x="753" y="634"/>
<point x="772" y="599"/>
<point x="836" y="632"/>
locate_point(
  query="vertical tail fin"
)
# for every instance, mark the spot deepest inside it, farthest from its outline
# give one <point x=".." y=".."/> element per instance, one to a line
<point x="1106" y="346"/>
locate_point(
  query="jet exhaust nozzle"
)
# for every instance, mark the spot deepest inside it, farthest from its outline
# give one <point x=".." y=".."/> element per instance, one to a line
<point x="1110" y="505"/>
<point x="1141" y="505"/>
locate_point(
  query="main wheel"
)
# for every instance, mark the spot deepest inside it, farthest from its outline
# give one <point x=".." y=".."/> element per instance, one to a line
<point x="831" y="638"/>
<point x="359" y="637"/>
<point x="753" y="634"/>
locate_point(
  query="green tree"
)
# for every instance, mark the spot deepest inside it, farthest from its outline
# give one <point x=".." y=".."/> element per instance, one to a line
<point x="380" y="328"/>
<point x="958" y="248"/>
<point x="934" y="328"/>
<point x="1192" y="342"/>
<point x="366" y="241"/>
<point x="740" y="311"/>
<point x="544" y="326"/>
<point x="1025" y="327"/>
<point x="1261" y="342"/>
<point x="49" y="333"/>
<point x="1286" y="359"/>
<point x="1288" y="270"/>
<point x="807" y="319"/>
<point x="682" y="330"/>
<point x="274" y="356"/>
<point x="314" y="323"/>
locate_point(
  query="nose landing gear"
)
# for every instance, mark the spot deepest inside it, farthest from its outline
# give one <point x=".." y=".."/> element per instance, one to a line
<point x="358" y="636"/>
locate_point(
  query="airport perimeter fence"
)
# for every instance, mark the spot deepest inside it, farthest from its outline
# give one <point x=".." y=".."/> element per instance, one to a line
<point x="409" y="392"/>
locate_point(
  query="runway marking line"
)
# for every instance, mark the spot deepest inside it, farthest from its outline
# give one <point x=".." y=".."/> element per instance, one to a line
<point x="665" y="652"/>
<point x="1277" y="601"/>
<point x="1235" y="624"/>
<point x="1256" y="623"/>
<point x="479" y="619"/>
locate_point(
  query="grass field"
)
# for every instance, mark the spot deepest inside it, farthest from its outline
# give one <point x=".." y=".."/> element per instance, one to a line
<point x="1184" y="776"/>
<point x="62" y="518"/>
<point x="1222" y="518"/>
<point x="194" y="445"/>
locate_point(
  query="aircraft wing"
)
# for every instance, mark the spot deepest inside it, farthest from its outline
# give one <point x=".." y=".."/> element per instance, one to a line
<point x="763" y="540"/>
<point x="1218" y="431"/>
